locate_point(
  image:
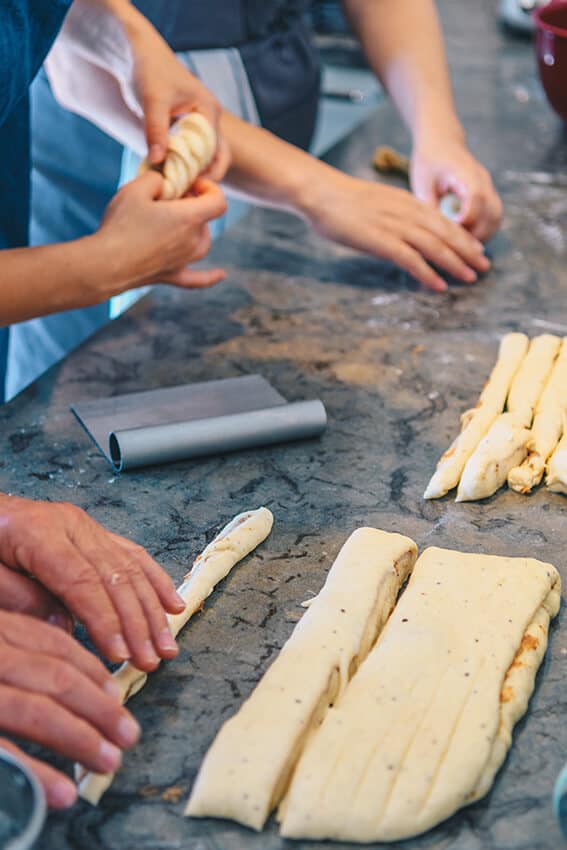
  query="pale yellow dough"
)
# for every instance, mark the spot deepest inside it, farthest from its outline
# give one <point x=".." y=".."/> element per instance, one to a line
<point x="191" y="149"/>
<point x="247" y="768"/>
<point x="504" y="447"/>
<point x="477" y="422"/>
<point x="426" y="721"/>
<point x="231" y="545"/>
<point x="546" y="428"/>
<point x="557" y="467"/>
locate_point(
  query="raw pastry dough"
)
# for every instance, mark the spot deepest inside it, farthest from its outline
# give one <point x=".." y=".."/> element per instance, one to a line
<point x="426" y="721"/>
<point x="236" y="540"/>
<point x="247" y="769"/>
<point x="191" y="149"/>
<point x="557" y="467"/>
<point x="504" y="447"/>
<point x="546" y="428"/>
<point x="476" y="422"/>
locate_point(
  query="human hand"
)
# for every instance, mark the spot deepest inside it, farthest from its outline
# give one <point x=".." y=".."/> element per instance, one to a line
<point x="23" y="595"/>
<point x="54" y="692"/>
<point x="152" y="242"/>
<point x="109" y="583"/>
<point x="167" y="90"/>
<point x="390" y="223"/>
<point x="442" y="166"/>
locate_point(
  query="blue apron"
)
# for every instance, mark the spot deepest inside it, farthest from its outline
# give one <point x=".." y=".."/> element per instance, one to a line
<point x="27" y="31"/>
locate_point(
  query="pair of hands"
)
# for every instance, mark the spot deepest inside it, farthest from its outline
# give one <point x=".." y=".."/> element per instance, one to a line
<point x="57" y="563"/>
<point x="409" y="229"/>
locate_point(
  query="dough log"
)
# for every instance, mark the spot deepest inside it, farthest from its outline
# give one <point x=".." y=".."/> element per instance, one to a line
<point x="477" y="422"/>
<point x="236" y="540"/>
<point x="426" y="721"/>
<point x="556" y="479"/>
<point x="191" y="149"/>
<point x="546" y="428"/>
<point x="504" y="447"/>
<point x="247" y="769"/>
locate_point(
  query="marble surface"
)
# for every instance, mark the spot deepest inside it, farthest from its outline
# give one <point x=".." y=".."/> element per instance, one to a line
<point x="395" y="366"/>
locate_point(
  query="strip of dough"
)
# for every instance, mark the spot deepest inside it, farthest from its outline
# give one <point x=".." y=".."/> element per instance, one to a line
<point x="425" y="723"/>
<point x="504" y="447"/>
<point x="532" y="376"/>
<point x="247" y="769"/>
<point x="476" y="422"/>
<point x="236" y="540"/>
<point x="191" y="149"/>
<point x="556" y="479"/>
<point x="546" y="429"/>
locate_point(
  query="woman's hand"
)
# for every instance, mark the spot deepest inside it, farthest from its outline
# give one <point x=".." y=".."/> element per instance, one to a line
<point x="439" y="166"/>
<point x="390" y="223"/>
<point x="109" y="583"/>
<point x="145" y="240"/>
<point x="54" y="692"/>
<point x="168" y="90"/>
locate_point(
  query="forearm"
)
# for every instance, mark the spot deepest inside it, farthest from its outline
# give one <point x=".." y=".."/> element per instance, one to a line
<point x="403" y="42"/>
<point x="269" y="170"/>
<point x="52" y="278"/>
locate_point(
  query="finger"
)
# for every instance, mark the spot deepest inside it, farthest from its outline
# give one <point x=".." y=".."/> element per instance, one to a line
<point x="21" y="632"/>
<point x="60" y="791"/>
<point x="26" y="596"/>
<point x="158" y="577"/>
<point x="410" y="260"/>
<point x="74" y="579"/>
<point x="164" y="642"/>
<point x="487" y="226"/>
<point x="148" y="186"/>
<point x="156" y="128"/>
<point x="207" y="200"/>
<point x="439" y="253"/>
<point x="38" y="673"/>
<point x="470" y="249"/>
<point x="196" y="279"/>
<point x="38" y="718"/>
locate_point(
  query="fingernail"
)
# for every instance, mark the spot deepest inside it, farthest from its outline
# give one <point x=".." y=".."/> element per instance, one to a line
<point x="62" y="794"/>
<point x="128" y="730"/>
<point x="113" y="690"/>
<point x="149" y="653"/>
<point x="167" y="641"/>
<point x="119" y="649"/>
<point x="179" y="599"/>
<point x="156" y="153"/>
<point x="110" y="756"/>
<point x="470" y="276"/>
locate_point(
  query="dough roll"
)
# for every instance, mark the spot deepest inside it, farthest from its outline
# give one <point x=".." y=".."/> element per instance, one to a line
<point x="556" y="479"/>
<point x="546" y="428"/>
<point x="477" y="422"/>
<point x="191" y="149"/>
<point x="426" y="721"/>
<point x="236" y="540"/>
<point x="247" y="769"/>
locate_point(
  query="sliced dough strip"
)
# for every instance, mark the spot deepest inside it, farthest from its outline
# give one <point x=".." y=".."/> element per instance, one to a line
<point x="546" y="428"/>
<point x="247" y="769"/>
<point x="556" y="479"/>
<point x="236" y="540"/>
<point x="426" y="721"/>
<point x="476" y="422"/>
<point x="505" y="445"/>
<point x="191" y="149"/>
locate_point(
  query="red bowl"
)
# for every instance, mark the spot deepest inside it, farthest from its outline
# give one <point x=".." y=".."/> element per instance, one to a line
<point x="551" y="51"/>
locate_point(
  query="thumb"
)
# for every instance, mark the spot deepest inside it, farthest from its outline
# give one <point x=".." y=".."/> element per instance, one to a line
<point x="147" y="186"/>
<point x="156" y="128"/>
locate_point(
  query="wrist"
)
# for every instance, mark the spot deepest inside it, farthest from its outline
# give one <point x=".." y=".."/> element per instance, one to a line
<point x="315" y="189"/>
<point x="108" y="268"/>
<point x="438" y="126"/>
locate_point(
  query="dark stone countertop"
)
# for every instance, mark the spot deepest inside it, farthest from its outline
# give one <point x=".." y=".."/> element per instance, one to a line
<point x="394" y="366"/>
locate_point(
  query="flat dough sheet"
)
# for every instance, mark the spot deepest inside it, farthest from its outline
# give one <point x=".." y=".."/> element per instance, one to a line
<point x="426" y="721"/>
